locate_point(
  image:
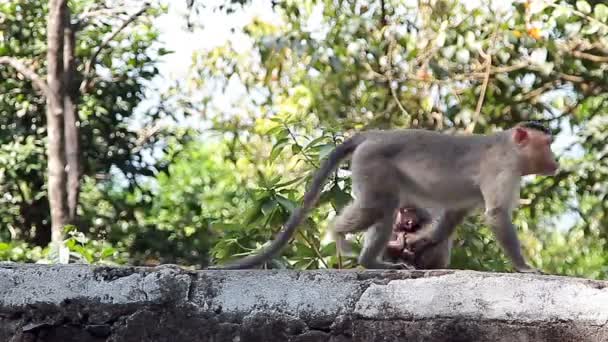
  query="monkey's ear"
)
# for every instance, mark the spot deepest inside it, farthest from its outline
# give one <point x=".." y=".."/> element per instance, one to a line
<point x="520" y="135"/>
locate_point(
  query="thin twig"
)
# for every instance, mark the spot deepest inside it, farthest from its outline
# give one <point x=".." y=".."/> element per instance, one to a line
<point x="27" y="72"/>
<point x="588" y="56"/>
<point x="538" y="91"/>
<point x="145" y="134"/>
<point x="572" y="78"/>
<point x="293" y="137"/>
<point x="102" y="12"/>
<point x="89" y="66"/>
<point x="486" y="80"/>
<point x="314" y="248"/>
<point x="482" y="95"/>
<point x="389" y="75"/>
<point x="470" y="76"/>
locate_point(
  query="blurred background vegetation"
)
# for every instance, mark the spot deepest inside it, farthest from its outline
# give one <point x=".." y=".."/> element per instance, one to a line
<point x="155" y="189"/>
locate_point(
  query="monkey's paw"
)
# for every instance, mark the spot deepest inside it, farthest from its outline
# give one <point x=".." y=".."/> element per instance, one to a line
<point x="415" y="242"/>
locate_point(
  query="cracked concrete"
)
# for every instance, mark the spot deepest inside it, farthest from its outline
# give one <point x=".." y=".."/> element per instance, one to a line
<point x="93" y="303"/>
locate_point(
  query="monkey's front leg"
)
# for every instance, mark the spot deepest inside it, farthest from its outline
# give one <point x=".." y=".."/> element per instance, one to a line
<point x="499" y="220"/>
<point x="501" y="194"/>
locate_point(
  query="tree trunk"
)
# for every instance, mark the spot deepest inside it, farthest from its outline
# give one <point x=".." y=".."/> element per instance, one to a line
<point x="72" y="141"/>
<point x="55" y="118"/>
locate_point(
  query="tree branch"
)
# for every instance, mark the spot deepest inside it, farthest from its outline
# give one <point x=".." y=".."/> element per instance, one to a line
<point x="89" y="66"/>
<point x="535" y="93"/>
<point x="486" y="80"/>
<point x="482" y="92"/>
<point x="27" y="72"/>
<point x="102" y="12"/>
<point x="589" y="57"/>
<point x="145" y="134"/>
<point x="470" y="76"/>
<point x="572" y="78"/>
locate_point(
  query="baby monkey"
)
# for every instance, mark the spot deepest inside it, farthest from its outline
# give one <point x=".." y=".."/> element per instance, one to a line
<point x="408" y="221"/>
<point x="426" y="169"/>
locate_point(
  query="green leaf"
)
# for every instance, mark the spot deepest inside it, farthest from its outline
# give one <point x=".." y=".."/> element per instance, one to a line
<point x="339" y="198"/>
<point x="253" y="213"/>
<point x="268" y="206"/>
<point x="278" y="119"/>
<point x="277" y="148"/>
<point x="69" y="228"/>
<point x="427" y="103"/>
<point x="325" y="150"/>
<point x="189" y="231"/>
<point x="163" y="51"/>
<point x="83" y="253"/>
<point x="107" y="252"/>
<point x="69" y="243"/>
<point x="288" y="183"/>
<point x="313" y="142"/>
<point x="329" y="249"/>
<point x="286" y="203"/>
<point x="439" y="71"/>
<point x="583" y="6"/>
<point x="600" y="12"/>
<point x="226" y="227"/>
<point x="274" y="130"/>
<point x="463" y="56"/>
<point x="271" y="183"/>
<point x="573" y="28"/>
<point x="591" y="29"/>
<point x="440" y="40"/>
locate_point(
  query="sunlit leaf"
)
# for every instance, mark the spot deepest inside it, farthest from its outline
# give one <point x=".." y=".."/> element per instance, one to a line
<point x="600" y="12"/>
<point x="583" y="6"/>
<point x="325" y="150"/>
<point x="278" y="148"/>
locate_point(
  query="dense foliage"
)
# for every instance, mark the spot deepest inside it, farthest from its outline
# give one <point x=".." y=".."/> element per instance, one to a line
<point x="111" y="149"/>
<point x="296" y="87"/>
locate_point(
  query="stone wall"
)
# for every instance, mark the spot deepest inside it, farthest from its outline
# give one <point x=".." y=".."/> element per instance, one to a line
<point x="86" y="303"/>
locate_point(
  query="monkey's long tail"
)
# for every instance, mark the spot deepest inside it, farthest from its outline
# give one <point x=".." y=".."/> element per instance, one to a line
<point x="310" y="199"/>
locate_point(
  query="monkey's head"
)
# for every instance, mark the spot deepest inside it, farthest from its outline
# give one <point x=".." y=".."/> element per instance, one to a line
<point x="533" y="141"/>
<point x="408" y="220"/>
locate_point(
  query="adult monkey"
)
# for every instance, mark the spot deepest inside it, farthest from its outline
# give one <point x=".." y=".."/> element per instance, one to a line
<point x="420" y="168"/>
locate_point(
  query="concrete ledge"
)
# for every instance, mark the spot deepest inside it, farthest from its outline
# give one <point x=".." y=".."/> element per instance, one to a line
<point x="85" y="303"/>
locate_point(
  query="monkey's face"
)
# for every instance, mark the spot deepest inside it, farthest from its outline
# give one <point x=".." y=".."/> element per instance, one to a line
<point x="535" y="150"/>
<point x="407" y="220"/>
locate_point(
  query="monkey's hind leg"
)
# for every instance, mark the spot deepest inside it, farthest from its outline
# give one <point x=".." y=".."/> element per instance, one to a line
<point x="352" y="219"/>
